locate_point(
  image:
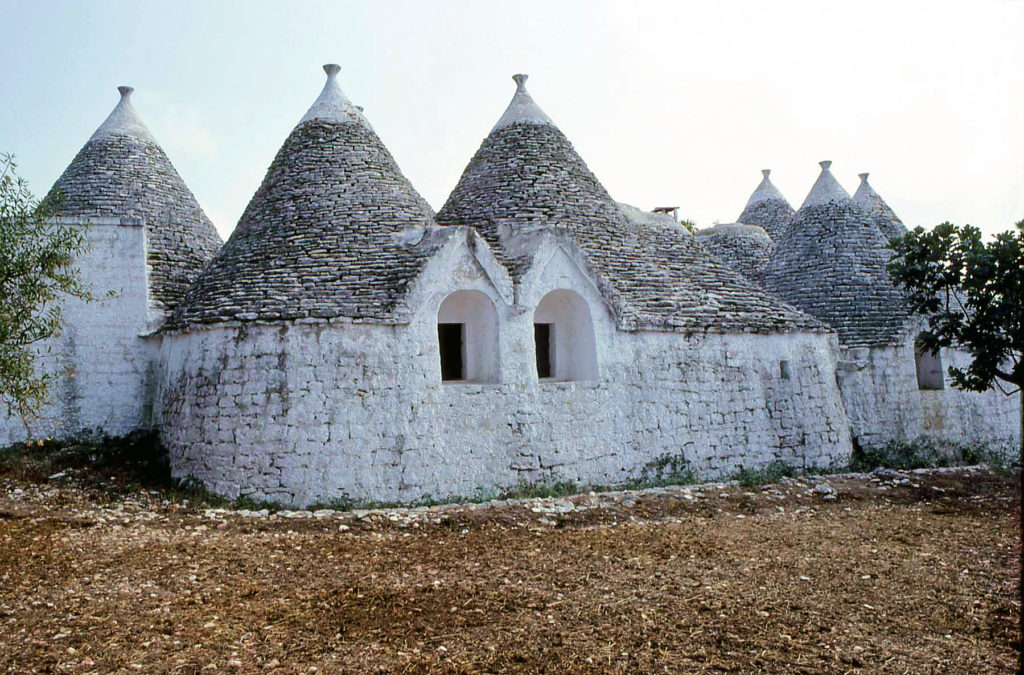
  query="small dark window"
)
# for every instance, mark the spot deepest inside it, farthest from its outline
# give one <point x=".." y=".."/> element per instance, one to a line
<point x="542" y="340"/>
<point x="929" y="369"/>
<point x="785" y="371"/>
<point x="451" y="337"/>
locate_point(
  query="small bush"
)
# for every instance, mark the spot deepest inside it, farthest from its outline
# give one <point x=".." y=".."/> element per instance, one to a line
<point x="925" y="453"/>
<point x="668" y="469"/>
<point x="772" y="473"/>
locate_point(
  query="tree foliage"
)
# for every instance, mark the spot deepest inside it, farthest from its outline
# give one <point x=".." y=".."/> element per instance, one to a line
<point x="973" y="295"/>
<point x="972" y="292"/>
<point x="37" y="271"/>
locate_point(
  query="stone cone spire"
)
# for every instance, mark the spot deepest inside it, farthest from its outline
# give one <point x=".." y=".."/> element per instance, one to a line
<point x="317" y="239"/>
<point x="826" y="189"/>
<point x="888" y="222"/>
<point x="122" y="172"/>
<point x="522" y="109"/>
<point x="123" y="120"/>
<point x="332" y="105"/>
<point x="831" y="263"/>
<point x="767" y="208"/>
<point x="527" y="178"/>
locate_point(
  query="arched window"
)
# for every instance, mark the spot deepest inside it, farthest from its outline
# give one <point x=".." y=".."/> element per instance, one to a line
<point x="564" y="338"/>
<point x="467" y="338"/>
<point x="929" y="368"/>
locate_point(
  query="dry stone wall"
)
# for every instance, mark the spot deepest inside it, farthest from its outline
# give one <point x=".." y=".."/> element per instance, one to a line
<point x="103" y="370"/>
<point x="883" y="402"/>
<point x="305" y="411"/>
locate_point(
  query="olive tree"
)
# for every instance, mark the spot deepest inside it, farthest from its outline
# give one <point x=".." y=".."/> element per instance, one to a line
<point x="37" y="272"/>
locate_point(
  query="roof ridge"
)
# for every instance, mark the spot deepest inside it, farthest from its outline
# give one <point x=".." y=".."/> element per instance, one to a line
<point x="123" y="120"/>
<point x="522" y="108"/>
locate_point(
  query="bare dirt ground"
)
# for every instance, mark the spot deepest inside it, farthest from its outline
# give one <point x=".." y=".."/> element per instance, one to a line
<point x="911" y="574"/>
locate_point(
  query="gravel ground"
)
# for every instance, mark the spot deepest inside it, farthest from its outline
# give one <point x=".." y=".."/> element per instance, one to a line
<point x="887" y="572"/>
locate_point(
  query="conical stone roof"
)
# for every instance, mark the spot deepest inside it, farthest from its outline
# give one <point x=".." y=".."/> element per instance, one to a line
<point x="122" y="172"/>
<point x="322" y="237"/>
<point x="527" y="178"/>
<point x="767" y="208"/>
<point x="888" y="222"/>
<point x="831" y="263"/>
<point x="745" y="248"/>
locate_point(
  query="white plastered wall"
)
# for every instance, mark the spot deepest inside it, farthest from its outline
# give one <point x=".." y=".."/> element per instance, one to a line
<point x="314" y="411"/>
<point x="103" y="370"/>
<point x="882" y="398"/>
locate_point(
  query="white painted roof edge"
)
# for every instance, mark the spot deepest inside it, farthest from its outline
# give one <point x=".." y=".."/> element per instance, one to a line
<point x="826" y="189"/>
<point x="332" y="105"/>
<point x="522" y="108"/>
<point x="123" y="120"/>
<point x="865" y="192"/>
<point x="766" y="190"/>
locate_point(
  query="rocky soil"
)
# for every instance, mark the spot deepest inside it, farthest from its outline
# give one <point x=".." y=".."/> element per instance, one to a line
<point x="887" y="572"/>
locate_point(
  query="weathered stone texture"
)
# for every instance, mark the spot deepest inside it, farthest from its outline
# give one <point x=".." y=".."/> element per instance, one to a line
<point x="774" y="215"/>
<point x="103" y="370"/>
<point x="745" y="248"/>
<point x="304" y="412"/>
<point x="886" y="220"/>
<point x="322" y="237"/>
<point x="831" y="263"/>
<point x="527" y="177"/>
<point x="883" y="402"/>
<point x="121" y="176"/>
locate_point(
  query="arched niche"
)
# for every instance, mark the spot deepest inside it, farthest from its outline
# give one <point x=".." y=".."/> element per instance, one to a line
<point x="467" y="336"/>
<point x="564" y="338"/>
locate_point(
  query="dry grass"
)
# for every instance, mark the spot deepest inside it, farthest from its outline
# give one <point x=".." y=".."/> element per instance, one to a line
<point x="900" y="580"/>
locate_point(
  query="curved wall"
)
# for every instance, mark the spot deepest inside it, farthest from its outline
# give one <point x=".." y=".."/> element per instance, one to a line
<point x="305" y="412"/>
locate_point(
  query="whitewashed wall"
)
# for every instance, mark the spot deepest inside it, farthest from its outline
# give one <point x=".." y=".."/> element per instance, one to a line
<point x="303" y="412"/>
<point x="968" y="417"/>
<point x="881" y="396"/>
<point x="103" y="370"/>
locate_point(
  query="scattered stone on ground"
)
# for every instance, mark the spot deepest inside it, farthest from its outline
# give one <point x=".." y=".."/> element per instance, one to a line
<point x="839" y="573"/>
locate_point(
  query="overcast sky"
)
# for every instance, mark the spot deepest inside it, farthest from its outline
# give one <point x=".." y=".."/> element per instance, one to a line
<point x="670" y="103"/>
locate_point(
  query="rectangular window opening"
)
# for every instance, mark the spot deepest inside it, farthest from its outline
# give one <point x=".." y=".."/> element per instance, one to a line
<point x="451" y="338"/>
<point x="930" y="376"/>
<point x="785" y="370"/>
<point x="543" y="342"/>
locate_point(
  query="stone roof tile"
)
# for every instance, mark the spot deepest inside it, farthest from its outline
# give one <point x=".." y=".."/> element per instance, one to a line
<point x="327" y="233"/>
<point x="121" y="172"/>
<point x="767" y="208"/>
<point x="745" y="248"/>
<point x="888" y="222"/>
<point x="526" y="177"/>
<point x="831" y="263"/>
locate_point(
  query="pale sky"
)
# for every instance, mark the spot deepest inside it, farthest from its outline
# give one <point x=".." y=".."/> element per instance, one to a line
<point x="669" y="103"/>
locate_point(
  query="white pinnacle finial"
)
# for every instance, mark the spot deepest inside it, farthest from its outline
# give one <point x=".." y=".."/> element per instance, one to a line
<point x="123" y="120"/>
<point x="332" y="105"/>
<point x="826" y="189"/>
<point x="522" y="109"/>
<point x="765" y="191"/>
<point x="863" y="177"/>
